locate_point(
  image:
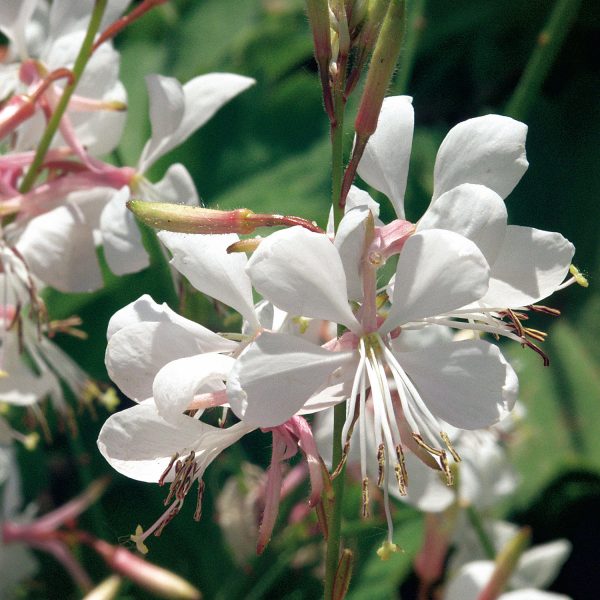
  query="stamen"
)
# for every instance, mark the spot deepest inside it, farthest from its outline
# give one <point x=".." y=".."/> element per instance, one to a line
<point x="548" y="310"/>
<point x="198" y="511"/>
<point x="417" y="437"/>
<point x="380" y="464"/>
<point x="400" y="469"/>
<point x="446" y="469"/>
<point x="365" y="498"/>
<point x="161" y="481"/>
<point x="343" y="460"/>
<point x="451" y="449"/>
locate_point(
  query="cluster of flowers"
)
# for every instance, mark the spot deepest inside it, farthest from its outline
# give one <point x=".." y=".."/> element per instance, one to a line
<point x="411" y="386"/>
<point x="330" y="327"/>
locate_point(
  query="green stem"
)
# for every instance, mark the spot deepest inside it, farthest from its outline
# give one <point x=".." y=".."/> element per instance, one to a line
<point x="549" y="43"/>
<point x="82" y="58"/>
<point x="335" y="517"/>
<point x="482" y="535"/>
<point x="416" y="24"/>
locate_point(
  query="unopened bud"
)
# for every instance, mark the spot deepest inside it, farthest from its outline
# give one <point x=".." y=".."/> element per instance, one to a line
<point x="341" y="583"/>
<point x="182" y="218"/>
<point x="107" y="590"/>
<point x="155" y="579"/>
<point x="383" y="61"/>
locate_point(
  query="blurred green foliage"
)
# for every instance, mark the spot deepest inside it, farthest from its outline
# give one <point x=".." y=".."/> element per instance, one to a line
<point x="268" y="151"/>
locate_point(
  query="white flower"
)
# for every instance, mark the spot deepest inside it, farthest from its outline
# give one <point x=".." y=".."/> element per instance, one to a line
<point x="478" y="164"/>
<point x="466" y="384"/>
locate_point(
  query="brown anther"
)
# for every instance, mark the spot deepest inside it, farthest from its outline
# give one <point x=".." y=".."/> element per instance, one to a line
<point x="446" y="468"/>
<point x="198" y="511"/>
<point x="536" y="334"/>
<point x="530" y="344"/>
<point x="380" y="464"/>
<point x="402" y="475"/>
<point x="161" y="481"/>
<point x="343" y="460"/>
<point x="365" y="498"/>
<point x="515" y="322"/>
<point x="548" y="310"/>
<point x="450" y="447"/>
<point x="421" y="442"/>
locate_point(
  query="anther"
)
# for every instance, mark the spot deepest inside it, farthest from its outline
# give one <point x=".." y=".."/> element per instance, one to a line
<point x="198" y="511"/>
<point x="343" y="460"/>
<point x="446" y="469"/>
<point x="365" y="498"/>
<point x="449" y="445"/>
<point x="161" y="481"/>
<point x="381" y="464"/>
<point x="400" y="469"/>
<point x="421" y="442"/>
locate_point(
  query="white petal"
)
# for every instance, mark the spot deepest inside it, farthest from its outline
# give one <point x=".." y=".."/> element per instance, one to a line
<point x="167" y="105"/>
<point x="139" y="443"/>
<point x="357" y="197"/>
<point x="145" y="309"/>
<point x="474" y="211"/>
<point x="276" y="374"/>
<point x="467" y="384"/>
<point x="532" y="594"/>
<point x="177" y="382"/>
<point x="470" y="581"/>
<point x="176" y="187"/>
<point x="531" y="265"/>
<point x="438" y="271"/>
<point x="59" y="248"/>
<point x="350" y="243"/>
<point x="489" y="150"/>
<point x="384" y="164"/>
<point x="14" y="17"/>
<point x="426" y="490"/>
<point x="136" y="353"/>
<point x="203" y="96"/>
<point x="301" y="272"/>
<point x="203" y="259"/>
<point x="123" y="248"/>
<point x="539" y="566"/>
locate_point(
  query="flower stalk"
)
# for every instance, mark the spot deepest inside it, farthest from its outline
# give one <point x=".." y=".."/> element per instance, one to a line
<point x="549" y="42"/>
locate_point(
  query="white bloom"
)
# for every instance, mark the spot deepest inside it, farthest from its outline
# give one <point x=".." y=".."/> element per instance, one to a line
<point x="466" y="384"/>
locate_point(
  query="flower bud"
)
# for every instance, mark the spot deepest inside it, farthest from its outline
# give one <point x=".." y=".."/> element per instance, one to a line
<point x="385" y="55"/>
<point x="107" y="590"/>
<point x="341" y="583"/>
<point x="190" y="219"/>
<point x="155" y="579"/>
<point x="506" y="562"/>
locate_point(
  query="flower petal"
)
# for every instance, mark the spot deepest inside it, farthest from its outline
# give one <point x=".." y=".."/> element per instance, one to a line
<point x="275" y="375"/>
<point x="121" y="237"/>
<point x="136" y="353"/>
<point x="59" y="248"/>
<point x="301" y="272"/>
<point x="384" y="164"/>
<point x="474" y="211"/>
<point x="139" y="443"/>
<point x="176" y="187"/>
<point x="539" y="566"/>
<point x="531" y="265"/>
<point x="177" y="382"/>
<point x="200" y="98"/>
<point x="438" y="271"/>
<point x="468" y="384"/>
<point x="203" y="259"/>
<point x="489" y="150"/>
<point x="470" y="581"/>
